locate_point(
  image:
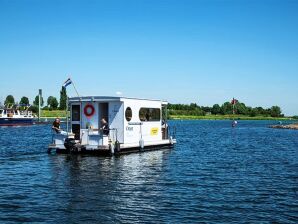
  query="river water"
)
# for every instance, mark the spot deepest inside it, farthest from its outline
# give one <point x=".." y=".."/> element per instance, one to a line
<point x="215" y="174"/>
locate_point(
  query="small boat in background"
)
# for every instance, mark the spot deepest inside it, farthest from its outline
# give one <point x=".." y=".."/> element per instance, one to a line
<point x="15" y="116"/>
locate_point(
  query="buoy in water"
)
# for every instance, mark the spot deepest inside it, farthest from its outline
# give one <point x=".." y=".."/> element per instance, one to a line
<point x="234" y="123"/>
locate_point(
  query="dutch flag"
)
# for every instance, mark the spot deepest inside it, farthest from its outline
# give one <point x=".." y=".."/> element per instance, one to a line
<point x="67" y="82"/>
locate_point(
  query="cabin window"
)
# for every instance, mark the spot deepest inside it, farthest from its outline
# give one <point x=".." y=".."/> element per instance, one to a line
<point x="149" y="114"/>
<point x="128" y="114"/>
<point x="1" y="111"/>
<point x="76" y="112"/>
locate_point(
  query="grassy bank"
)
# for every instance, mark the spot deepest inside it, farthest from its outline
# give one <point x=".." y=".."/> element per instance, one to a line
<point x="53" y="113"/>
<point x="62" y="114"/>
<point x="225" y="117"/>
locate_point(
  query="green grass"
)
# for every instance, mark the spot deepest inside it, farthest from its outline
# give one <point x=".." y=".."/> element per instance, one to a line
<point x="53" y="113"/>
<point x="62" y="114"/>
<point x="225" y="117"/>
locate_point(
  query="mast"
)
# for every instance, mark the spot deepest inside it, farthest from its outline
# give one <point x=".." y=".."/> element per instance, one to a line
<point x="39" y="103"/>
<point x="67" y="125"/>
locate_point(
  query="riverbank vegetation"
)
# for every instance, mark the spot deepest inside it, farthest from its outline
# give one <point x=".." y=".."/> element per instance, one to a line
<point x="53" y="113"/>
<point x="227" y="117"/>
<point x="225" y="110"/>
<point x="53" y="108"/>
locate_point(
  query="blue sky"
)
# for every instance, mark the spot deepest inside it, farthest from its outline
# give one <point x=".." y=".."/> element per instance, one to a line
<point x="184" y="51"/>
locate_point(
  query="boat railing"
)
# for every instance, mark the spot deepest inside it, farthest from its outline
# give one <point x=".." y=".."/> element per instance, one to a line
<point x="113" y="134"/>
<point x="26" y="113"/>
<point x="97" y="137"/>
<point x="172" y="132"/>
<point x="88" y="137"/>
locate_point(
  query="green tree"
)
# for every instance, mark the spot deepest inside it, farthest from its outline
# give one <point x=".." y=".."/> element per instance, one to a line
<point x="193" y="106"/>
<point x="9" y="100"/>
<point x="50" y="98"/>
<point x="24" y="100"/>
<point x="36" y="101"/>
<point x="252" y="112"/>
<point x="52" y="102"/>
<point x="215" y="109"/>
<point x="227" y="108"/>
<point x="206" y="109"/>
<point x="34" y="109"/>
<point x="275" y="111"/>
<point x="241" y="108"/>
<point x="63" y="99"/>
<point x="260" y="111"/>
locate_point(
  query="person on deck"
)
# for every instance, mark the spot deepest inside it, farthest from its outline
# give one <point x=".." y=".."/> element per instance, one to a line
<point x="56" y="125"/>
<point x="104" y="127"/>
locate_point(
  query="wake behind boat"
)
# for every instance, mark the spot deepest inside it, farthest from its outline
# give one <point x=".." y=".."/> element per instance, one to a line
<point x="15" y="116"/>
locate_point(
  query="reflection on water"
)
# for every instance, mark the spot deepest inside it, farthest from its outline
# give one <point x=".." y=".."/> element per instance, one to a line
<point x="214" y="174"/>
<point x="105" y="186"/>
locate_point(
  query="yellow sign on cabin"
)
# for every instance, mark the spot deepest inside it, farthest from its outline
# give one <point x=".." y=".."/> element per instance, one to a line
<point x="154" y="131"/>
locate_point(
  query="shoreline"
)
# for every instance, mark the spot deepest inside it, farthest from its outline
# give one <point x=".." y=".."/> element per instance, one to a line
<point x="61" y="115"/>
<point x="208" y="118"/>
<point x="228" y="117"/>
<point x="289" y="126"/>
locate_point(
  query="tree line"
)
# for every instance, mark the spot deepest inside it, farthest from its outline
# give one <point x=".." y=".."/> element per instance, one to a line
<point x="51" y="104"/>
<point x="224" y="109"/>
<point x="174" y="109"/>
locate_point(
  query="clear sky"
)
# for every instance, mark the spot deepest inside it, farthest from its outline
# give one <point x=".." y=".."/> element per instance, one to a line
<point x="201" y="51"/>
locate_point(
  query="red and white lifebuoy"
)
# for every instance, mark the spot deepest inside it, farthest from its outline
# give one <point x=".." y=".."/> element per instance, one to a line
<point x="89" y="110"/>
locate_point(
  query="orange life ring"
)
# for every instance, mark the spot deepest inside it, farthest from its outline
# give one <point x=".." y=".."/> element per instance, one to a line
<point x="89" y="110"/>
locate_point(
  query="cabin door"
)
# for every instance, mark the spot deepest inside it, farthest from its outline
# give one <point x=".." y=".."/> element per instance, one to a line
<point x="103" y="112"/>
<point x="76" y="120"/>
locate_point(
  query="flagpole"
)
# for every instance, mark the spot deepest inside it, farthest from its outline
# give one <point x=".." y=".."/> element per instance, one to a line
<point x="72" y="82"/>
<point x="233" y="110"/>
<point x="67" y="115"/>
<point x="233" y="106"/>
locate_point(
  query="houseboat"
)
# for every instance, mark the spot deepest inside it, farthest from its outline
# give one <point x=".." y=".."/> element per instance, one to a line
<point x="14" y="116"/>
<point x="114" y="125"/>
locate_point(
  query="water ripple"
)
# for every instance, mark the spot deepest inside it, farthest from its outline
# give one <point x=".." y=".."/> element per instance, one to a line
<point x="215" y="174"/>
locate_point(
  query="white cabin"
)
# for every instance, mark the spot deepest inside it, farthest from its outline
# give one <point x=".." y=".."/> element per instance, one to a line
<point x="133" y="124"/>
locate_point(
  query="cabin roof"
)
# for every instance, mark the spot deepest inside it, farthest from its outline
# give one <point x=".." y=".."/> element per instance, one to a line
<point x="109" y="99"/>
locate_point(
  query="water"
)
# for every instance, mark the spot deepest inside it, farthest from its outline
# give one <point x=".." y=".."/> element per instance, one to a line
<point x="215" y="174"/>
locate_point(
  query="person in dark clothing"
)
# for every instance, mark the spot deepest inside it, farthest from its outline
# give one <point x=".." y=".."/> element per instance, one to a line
<point x="56" y="125"/>
<point x="104" y="127"/>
